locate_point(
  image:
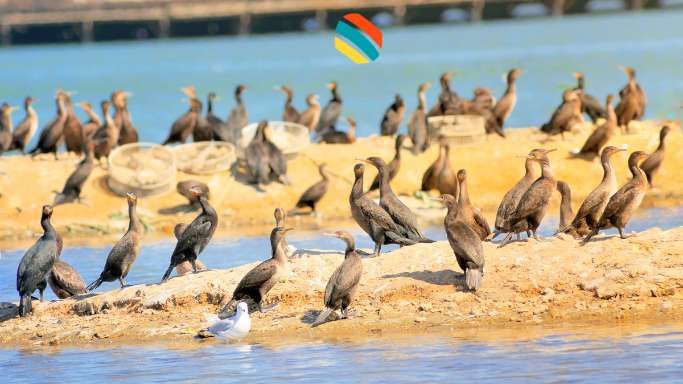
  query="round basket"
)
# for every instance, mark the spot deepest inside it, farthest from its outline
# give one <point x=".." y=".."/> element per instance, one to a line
<point x="205" y="157"/>
<point x="458" y="129"/>
<point x="291" y="138"/>
<point x="145" y="169"/>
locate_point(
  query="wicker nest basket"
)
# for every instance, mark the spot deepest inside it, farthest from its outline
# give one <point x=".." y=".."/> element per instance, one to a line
<point x="205" y="157"/>
<point x="291" y="138"/>
<point x="458" y="130"/>
<point x="145" y="169"/>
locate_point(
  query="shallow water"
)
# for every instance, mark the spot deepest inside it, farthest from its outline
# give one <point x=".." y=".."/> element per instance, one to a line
<point x="548" y="50"/>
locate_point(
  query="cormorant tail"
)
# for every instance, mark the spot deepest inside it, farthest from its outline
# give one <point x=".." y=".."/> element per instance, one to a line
<point x="398" y="239"/>
<point x="473" y="279"/>
<point x="61" y="198"/>
<point x="168" y="273"/>
<point x="94" y="284"/>
<point x="322" y="317"/>
<point x="426" y="240"/>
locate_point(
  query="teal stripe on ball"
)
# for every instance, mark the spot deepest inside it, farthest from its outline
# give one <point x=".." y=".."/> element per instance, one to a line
<point x="358" y="38"/>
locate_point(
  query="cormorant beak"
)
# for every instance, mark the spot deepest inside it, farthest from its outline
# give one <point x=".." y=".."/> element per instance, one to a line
<point x="551" y="150"/>
<point x="288" y="229"/>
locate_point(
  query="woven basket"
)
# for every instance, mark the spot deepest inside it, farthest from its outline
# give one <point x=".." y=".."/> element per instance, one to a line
<point x="291" y="138"/>
<point x="458" y="130"/>
<point x="145" y="169"/>
<point x="205" y="157"/>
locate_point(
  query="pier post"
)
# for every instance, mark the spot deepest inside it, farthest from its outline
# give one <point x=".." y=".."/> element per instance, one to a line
<point x="557" y="8"/>
<point x="477" y="11"/>
<point x="399" y="14"/>
<point x="87" y="31"/>
<point x="6" y="34"/>
<point x="321" y="18"/>
<point x="636" y="5"/>
<point x="245" y="24"/>
<point x="164" y="27"/>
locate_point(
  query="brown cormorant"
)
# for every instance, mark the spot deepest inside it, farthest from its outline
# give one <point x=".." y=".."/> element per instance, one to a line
<point x="594" y="204"/>
<point x="566" y="115"/>
<point x="6" y="127"/>
<point x="439" y="175"/>
<point x="333" y="136"/>
<point x="256" y="284"/>
<point x="625" y="201"/>
<point x="290" y="114"/>
<point x="311" y="115"/>
<point x="63" y="279"/>
<point x="107" y="136"/>
<point x="448" y="102"/>
<point x="315" y="192"/>
<point x="342" y="286"/>
<point x="72" y="132"/>
<point x="632" y="101"/>
<point x="51" y="134"/>
<point x="127" y="132"/>
<point x="74" y="183"/>
<point x="330" y="114"/>
<point x="185" y="187"/>
<point x="651" y="165"/>
<point x="203" y="129"/>
<point x="215" y="123"/>
<point x="265" y="161"/>
<point x="372" y="218"/>
<point x="394" y="165"/>
<point x="125" y="251"/>
<point x="237" y="119"/>
<point x="476" y="220"/>
<point x="601" y="135"/>
<point x="393" y="117"/>
<point x="183" y="126"/>
<point x="417" y="126"/>
<point x="93" y="123"/>
<point x="589" y="104"/>
<point x="507" y="102"/>
<point x="37" y="262"/>
<point x="195" y="237"/>
<point x="26" y="128"/>
<point x="566" y="212"/>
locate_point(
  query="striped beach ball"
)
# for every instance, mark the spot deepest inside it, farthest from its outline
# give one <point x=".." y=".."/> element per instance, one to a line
<point x="358" y="38"/>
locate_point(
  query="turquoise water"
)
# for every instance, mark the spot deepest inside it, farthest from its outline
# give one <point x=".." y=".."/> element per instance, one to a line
<point x="549" y="50"/>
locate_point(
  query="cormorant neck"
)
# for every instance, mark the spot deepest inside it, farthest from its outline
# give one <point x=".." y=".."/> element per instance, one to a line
<point x="464" y="196"/>
<point x="335" y="95"/>
<point x="384" y="188"/>
<point x="397" y="154"/>
<point x="209" y="105"/>
<point x="608" y="172"/>
<point x="206" y="207"/>
<point x="48" y="229"/>
<point x="580" y="84"/>
<point x="546" y="170"/>
<point x="323" y="174"/>
<point x="238" y="97"/>
<point x="357" y="189"/>
<point x="133" y="219"/>
<point x="512" y="87"/>
<point x="422" y="101"/>
<point x="565" y="208"/>
<point x="278" y="251"/>
<point x="529" y="168"/>
<point x="611" y="114"/>
<point x="350" y="248"/>
<point x="662" y="143"/>
<point x="636" y="172"/>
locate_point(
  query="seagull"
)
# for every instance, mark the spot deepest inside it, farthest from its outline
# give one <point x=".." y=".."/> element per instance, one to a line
<point x="231" y="328"/>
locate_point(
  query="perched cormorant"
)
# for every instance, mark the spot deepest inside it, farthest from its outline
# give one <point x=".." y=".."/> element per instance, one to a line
<point x="203" y="130"/>
<point x="195" y="237"/>
<point x="632" y="101"/>
<point x="72" y="132"/>
<point x="394" y="165"/>
<point x="265" y="161"/>
<point x="37" y="262"/>
<point x="507" y="102"/>
<point x="448" y="102"/>
<point x="127" y="132"/>
<point x="482" y="105"/>
<point x="393" y="117"/>
<point x="342" y="286"/>
<point x="333" y="136"/>
<point x="290" y="114"/>
<point x="125" y="251"/>
<point x="64" y="280"/>
<point x="476" y="220"/>
<point x="651" y="165"/>
<point x="330" y="114"/>
<point x="93" y="123"/>
<point x="417" y="126"/>
<point x="238" y="118"/>
<point x="107" y="136"/>
<point x="439" y="175"/>
<point x="625" y="201"/>
<point x="185" y="267"/>
<point x="183" y="126"/>
<point x="511" y="199"/>
<point x="185" y="187"/>
<point x="256" y="284"/>
<point x="51" y="134"/>
<point x="401" y="215"/>
<point x="310" y="116"/>
<point x="601" y="135"/>
<point x="372" y="218"/>
<point x="566" y="212"/>
<point x="594" y="204"/>
<point x="74" y="183"/>
<point x="26" y="128"/>
<point x="565" y="116"/>
<point x="214" y="122"/>
<point x="589" y="104"/>
<point x="464" y="241"/>
<point x="6" y="127"/>
<point x="534" y="202"/>
<point x="315" y="192"/>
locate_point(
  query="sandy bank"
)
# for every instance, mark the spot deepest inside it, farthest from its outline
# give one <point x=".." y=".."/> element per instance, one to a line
<point x="27" y="184"/>
<point x="412" y="290"/>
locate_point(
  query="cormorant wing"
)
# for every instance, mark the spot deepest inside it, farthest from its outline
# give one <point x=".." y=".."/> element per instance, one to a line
<point x="314" y="193"/>
<point x="620" y="199"/>
<point x="594" y="139"/>
<point x="78" y="176"/>
<point x="192" y="235"/>
<point x="481" y="221"/>
<point x="468" y="243"/>
<point x="67" y="278"/>
<point x="22" y="128"/>
<point x="345" y="277"/>
<point x="258" y="275"/>
<point x="533" y="198"/>
<point x="36" y="263"/>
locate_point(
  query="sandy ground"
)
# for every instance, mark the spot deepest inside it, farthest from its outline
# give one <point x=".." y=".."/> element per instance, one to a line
<point x="413" y="290"/>
<point x="493" y="167"/>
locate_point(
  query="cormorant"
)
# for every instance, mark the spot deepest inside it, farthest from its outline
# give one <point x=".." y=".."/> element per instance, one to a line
<point x="372" y="218"/>
<point x="393" y="117"/>
<point x="6" y="127"/>
<point x="26" y="128"/>
<point x="342" y="286"/>
<point x="183" y="127"/>
<point x="448" y="102"/>
<point x="290" y="113"/>
<point x="566" y="212"/>
<point x="589" y="104"/>
<point x="93" y="123"/>
<point x="74" y="183"/>
<point x="565" y="116"/>
<point x="601" y="135"/>
<point x="185" y="187"/>
<point x="417" y="126"/>
<point x="127" y="132"/>
<point x="64" y="280"/>
<point x="651" y="165"/>
<point x="476" y="220"/>
<point x="237" y="119"/>
<point x="439" y="175"/>
<point x="195" y="237"/>
<point x="203" y="129"/>
<point x="125" y="251"/>
<point x="72" y="132"/>
<point x="315" y="192"/>
<point x="333" y="136"/>
<point x="51" y="134"/>
<point x="37" y="262"/>
<point x="632" y="101"/>
<point x="330" y="114"/>
<point x="265" y="161"/>
<point x="214" y="122"/>
<point x="185" y="267"/>
<point x="107" y="136"/>
<point x="311" y="115"/>
<point x="625" y="201"/>
<point x="394" y="165"/>
<point x="507" y="102"/>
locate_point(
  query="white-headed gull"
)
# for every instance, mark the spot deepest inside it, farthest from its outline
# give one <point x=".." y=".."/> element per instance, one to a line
<point x="232" y="328"/>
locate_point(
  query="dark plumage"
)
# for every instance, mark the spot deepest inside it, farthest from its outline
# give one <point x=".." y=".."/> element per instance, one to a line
<point x="107" y="136"/>
<point x="74" y="183"/>
<point x="195" y="237"/>
<point x="464" y="240"/>
<point x="566" y="212"/>
<point x="507" y="102"/>
<point x="25" y="130"/>
<point x="417" y="125"/>
<point x="238" y="118"/>
<point x="183" y="126"/>
<point x="311" y="115"/>
<point x="185" y="267"/>
<point x="482" y="105"/>
<point x="372" y="218"/>
<point x="6" y="127"/>
<point x="448" y="102"/>
<point x="290" y="112"/>
<point x="439" y="175"/>
<point x="37" y="262"/>
<point x="256" y="284"/>
<point x="52" y="132"/>
<point x="594" y="204"/>
<point x="125" y="251"/>
<point x="94" y="122"/>
<point x="214" y="123"/>
<point x="315" y="192"/>
<point x="127" y="132"/>
<point x="265" y="161"/>
<point x="185" y="187"/>
<point x="203" y="129"/>
<point x="393" y="117"/>
<point x="566" y="115"/>
<point x="330" y="114"/>
<point x="342" y="286"/>
<point x="65" y="281"/>
<point x="333" y="136"/>
<point x="476" y="220"/>
<point x="394" y="165"/>
<point x="651" y="165"/>
<point x="72" y="132"/>
<point x="625" y="201"/>
<point x="632" y="101"/>
<point x="589" y="104"/>
<point x="601" y="135"/>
